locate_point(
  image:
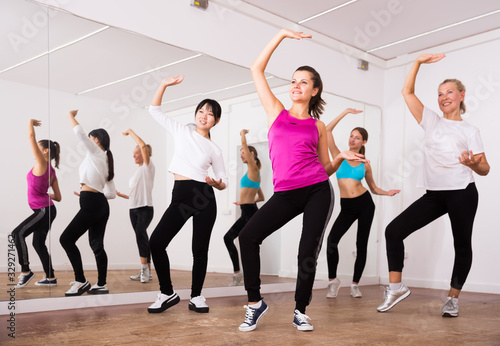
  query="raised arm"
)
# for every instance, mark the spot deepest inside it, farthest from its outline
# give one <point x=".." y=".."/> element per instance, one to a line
<point x="416" y="107"/>
<point x="271" y="104"/>
<point x="72" y="118"/>
<point x="334" y="150"/>
<point x="161" y="89"/>
<point x="373" y="187"/>
<point x="40" y="164"/>
<point x="140" y="143"/>
<point x="247" y="154"/>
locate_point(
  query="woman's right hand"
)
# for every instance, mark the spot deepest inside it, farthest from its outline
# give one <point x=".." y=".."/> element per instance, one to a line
<point x="429" y="58"/>
<point x="352" y="111"/>
<point x="73" y="113"/>
<point x="298" y="35"/>
<point x="34" y="122"/>
<point x="169" y="81"/>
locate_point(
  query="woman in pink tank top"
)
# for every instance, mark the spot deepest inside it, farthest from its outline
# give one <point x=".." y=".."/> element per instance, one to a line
<point x="301" y="167"/>
<point x="40" y="179"/>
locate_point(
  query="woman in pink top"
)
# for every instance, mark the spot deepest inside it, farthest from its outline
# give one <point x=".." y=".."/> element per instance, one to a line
<point x="41" y="177"/>
<point x="301" y="167"/>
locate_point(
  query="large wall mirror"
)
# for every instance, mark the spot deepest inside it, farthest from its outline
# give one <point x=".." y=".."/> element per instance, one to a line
<point x="53" y="62"/>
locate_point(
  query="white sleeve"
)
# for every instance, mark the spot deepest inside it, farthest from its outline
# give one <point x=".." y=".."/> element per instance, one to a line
<point x="429" y="119"/>
<point x="173" y="127"/>
<point x="110" y="189"/>
<point x="89" y="145"/>
<point x="219" y="168"/>
<point x="475" y="143"/>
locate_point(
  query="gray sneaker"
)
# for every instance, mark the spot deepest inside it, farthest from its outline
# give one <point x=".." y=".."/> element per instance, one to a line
<point x="333" y="288"/>
<point x="137" y="277"/>
<point x="450" y="307"/>
<point x="145" y="275"/>
<point x="391" y="298"/>
<point x="355" y="292"/>
<point x="237" y="278"/>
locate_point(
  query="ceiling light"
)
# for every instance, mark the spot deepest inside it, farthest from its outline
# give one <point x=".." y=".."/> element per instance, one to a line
<point x="56" y="49"/>
<point x="138" y="74"/>
<point x="327" y="11"/>
<point x="433" y="31"/>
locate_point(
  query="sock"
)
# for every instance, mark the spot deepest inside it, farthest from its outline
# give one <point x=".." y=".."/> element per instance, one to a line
<point x="395" y="286"/>
<point x="144" y="266"/>
<point x="354" y="285"/>
<point x="257" y="305"/>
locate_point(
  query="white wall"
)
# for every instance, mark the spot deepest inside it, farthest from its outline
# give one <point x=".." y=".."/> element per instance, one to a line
<point x="430" y="250"/>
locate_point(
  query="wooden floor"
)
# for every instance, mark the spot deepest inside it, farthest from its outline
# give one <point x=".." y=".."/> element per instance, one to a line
<point x="341" y="321"/>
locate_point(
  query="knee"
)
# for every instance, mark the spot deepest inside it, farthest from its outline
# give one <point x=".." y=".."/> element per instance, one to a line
<point x="391" y="233"/>
<point x="228" y="239"/>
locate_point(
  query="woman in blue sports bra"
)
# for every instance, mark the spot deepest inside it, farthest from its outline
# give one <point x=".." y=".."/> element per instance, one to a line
<point x="356" y="204"/>
<point x="250" y="194"/>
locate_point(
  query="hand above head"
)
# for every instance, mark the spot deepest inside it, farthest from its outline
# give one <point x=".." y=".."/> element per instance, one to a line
<point x="469" y="160"/>
<point x="169" y="81"/>
<point x="429" y="58"/>
<point x="35" y="122"/>
<point x="243" y="132"/>
<point x="298" y="35"/>
<point x="73" y="113"/>
<point x="126" y="132"/>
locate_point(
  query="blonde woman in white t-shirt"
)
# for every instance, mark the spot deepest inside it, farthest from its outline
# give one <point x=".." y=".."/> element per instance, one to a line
<point x="192" y="196"/>
<point x="453" y="150"/>
<point x="141" y="202"/>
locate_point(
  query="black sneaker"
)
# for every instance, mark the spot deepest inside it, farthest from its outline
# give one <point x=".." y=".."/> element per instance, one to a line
<point x="96" y="289"/>
<point x="77" y="288"/>
<point x="163" y="302"/>
<point x="24" y="279"/>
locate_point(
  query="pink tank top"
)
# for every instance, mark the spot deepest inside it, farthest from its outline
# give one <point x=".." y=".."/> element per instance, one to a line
<point x="38" y="187"/>
<point x="293" y="147"/>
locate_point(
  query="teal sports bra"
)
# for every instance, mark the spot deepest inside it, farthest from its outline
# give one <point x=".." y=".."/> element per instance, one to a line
<point x="246" y="182"/>
<point x="347" y="171"/>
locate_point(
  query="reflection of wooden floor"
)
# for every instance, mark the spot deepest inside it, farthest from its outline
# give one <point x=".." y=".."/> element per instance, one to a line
<point x="119" y="282"/>
<point x="341" y="321"/>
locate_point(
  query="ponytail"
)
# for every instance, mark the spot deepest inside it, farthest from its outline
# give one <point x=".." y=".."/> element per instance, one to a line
<point x="54" y="150"/>
<point x="255" y="156"/>
<point x="103" y="137"/>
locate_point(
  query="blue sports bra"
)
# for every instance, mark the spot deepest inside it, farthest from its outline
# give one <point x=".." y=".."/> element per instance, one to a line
<point x="347" y="171"/>
<point x="246" y="182"/>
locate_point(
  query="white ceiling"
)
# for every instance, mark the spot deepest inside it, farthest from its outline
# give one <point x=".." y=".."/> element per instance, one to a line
<point x="368" y="24"/>
<point x="113" y="54"/>
<point x="107" y="56"/>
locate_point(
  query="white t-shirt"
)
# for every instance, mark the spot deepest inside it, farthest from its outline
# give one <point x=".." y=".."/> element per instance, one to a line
<point x="193" y="153"/>
<point x="94" y="167"/>
<point x="444" y="142"/>
<point x="141" y="186"/>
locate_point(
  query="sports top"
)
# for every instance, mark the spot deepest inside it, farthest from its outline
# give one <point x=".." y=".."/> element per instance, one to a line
<point x="346" y="171"/>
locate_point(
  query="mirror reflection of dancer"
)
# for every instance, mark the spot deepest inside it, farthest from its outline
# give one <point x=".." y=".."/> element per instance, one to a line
<point x="356" y="204"/>
<point x="192" y="196"/>
<point x="301" y="167"/>
<point x="250" y="194"/>
<point x="141" y="203"/>
<point x="97" y="186"/>
<point x="452" y="151"/>
<point x="41" y="177"/>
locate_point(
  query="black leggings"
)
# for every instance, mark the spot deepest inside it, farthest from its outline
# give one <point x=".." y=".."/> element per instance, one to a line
<point x="360" y="208"/>
<point x="140" y="219"/>
<point x="461" y="206"/>
<point x="316" y="203"/>
<point x="93" y="216"/>
<point x="189" y="199"/>
<point x="247" y="211"/>
<point x="39" y="224"/>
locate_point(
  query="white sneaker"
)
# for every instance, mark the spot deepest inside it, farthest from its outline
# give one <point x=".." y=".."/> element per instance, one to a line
<point x="198" y="304"/>
<point x="333" y="288"/>
<point x="450" y="307"/>
<point x="137" y="277"/>
<point x="237" y="279"/>
<point x="145" y="275"/>
<point x="163" y="302"/>
<point x="96" y="289"/>
<point x="355" y="292"/>
<point x="77" y="288"/>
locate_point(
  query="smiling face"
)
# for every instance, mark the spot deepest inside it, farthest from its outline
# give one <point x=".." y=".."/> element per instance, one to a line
<point x="302" y="87"/>
<point x="138" y="159"/>
<point x="205" y="118"/>
<point x="449" y="98"/>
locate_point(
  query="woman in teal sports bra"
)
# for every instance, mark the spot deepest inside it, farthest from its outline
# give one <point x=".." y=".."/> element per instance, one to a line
<point x="250" y="194"/>
<point x="356" y="204"/>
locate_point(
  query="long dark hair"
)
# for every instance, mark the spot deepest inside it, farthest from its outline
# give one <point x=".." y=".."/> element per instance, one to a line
<point x="316" y="104"/>
<point x="54" y="149"/>
<point x="364" y="135"/>
<point x="103" y="137"/>
<point x="255" y="156"/>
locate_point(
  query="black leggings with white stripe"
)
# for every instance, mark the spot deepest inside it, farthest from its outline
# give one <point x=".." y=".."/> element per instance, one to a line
<point x="39" y="224"/>
<point x="316" y="204"/>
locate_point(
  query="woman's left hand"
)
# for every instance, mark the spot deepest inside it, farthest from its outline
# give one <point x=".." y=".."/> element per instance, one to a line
<point x="469" y="161"/>
<point x="218" y="184"/>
